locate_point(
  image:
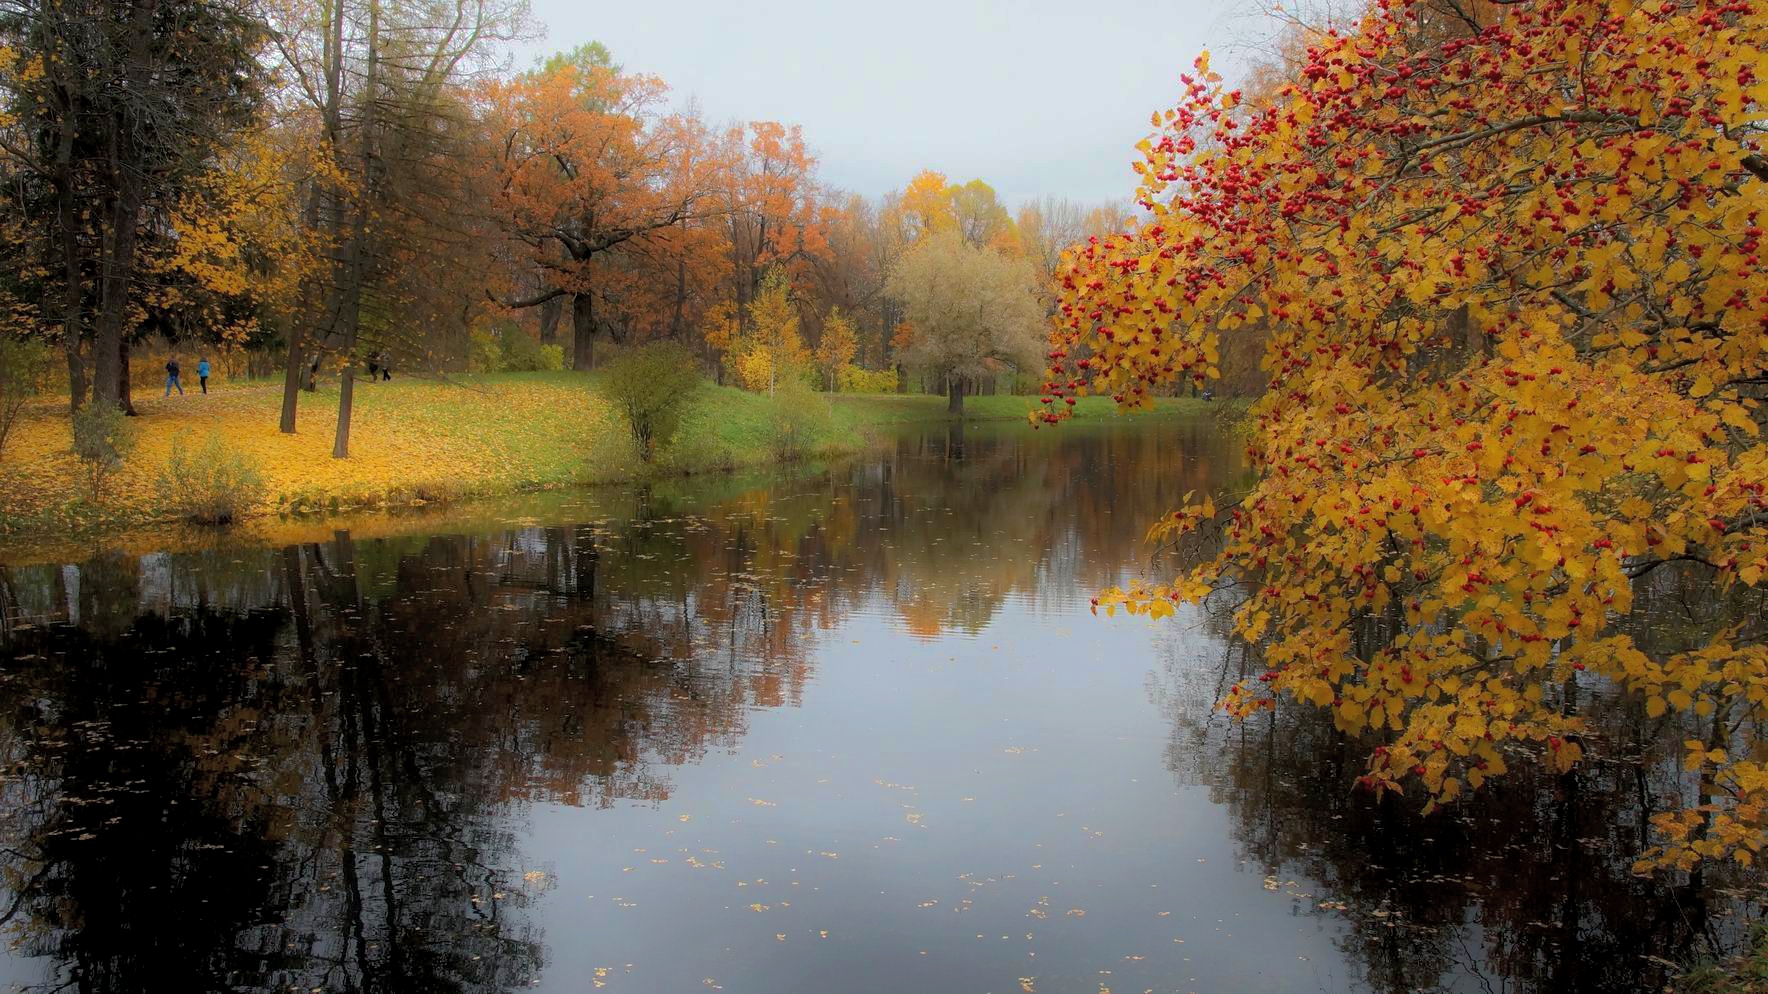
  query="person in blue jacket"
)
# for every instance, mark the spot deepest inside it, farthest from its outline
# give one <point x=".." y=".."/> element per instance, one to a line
<point x="202" y="374"/>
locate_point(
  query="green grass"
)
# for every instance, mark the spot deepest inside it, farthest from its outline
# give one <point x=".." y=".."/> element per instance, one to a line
<point x="729" y="428"/>
<point x="916" y="408"/>
<point x="420" y="441"/>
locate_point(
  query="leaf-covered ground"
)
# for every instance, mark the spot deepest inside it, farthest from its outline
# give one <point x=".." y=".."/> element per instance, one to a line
<point x="415" y="441"/>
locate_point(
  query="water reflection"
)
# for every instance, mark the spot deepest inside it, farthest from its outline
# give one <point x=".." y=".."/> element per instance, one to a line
<point x="301" y="768"/>
<point x="1529" y="886"/>
<point x="599" y="736"/>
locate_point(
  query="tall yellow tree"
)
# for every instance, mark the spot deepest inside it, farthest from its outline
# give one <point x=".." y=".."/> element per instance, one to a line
<point x="771" y="348"/>
<point x="926" y="205"/>
<point x="836" y="349"/>
<point x="1517" y="339"/>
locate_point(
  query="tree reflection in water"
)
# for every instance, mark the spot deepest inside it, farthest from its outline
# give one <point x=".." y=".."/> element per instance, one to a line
<point x="1525" y="885"/>
<point x="311" y="766"/>
<point x="315" y="793"/>
<point x="297" y="768"/>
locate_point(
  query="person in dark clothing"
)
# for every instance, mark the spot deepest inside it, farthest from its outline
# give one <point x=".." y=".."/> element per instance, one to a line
<point x="202" y="374"/>
<point x="172" y="377"/>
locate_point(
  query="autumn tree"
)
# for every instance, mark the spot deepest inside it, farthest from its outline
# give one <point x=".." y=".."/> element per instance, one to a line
<point x="584" y="163"/>
<point x="973" y="310"/>
<point x="835" y="350"/>
<point x="235" y="257"/>
<point x="664" y="285"/>
<point x="771" y="207"/>
<point x="1509" y="259"/>
<point x="379" y="84"/>
<point x="924" y="207"/>
<point x="1048" y="226"/>
<point x="769" y="347"/>
<point x="111" y="108"/>
<point x="981" y="217"/>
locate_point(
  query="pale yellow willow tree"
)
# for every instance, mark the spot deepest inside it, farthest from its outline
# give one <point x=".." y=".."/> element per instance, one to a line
<point x="1511" y="272"/>
<point x="973" y="311"/>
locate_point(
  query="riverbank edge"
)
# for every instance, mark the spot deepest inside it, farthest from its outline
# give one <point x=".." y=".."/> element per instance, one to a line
<point x="725" y="431"/>
<point x="1744" y="973"/>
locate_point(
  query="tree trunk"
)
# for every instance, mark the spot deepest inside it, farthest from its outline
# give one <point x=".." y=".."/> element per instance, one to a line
<point x="76" y="365"/>
<point x="291" y="383"/>
<point x="582" y="332"/>
<point x="954" y="396"/>
<point x="679" y="319"/>
<point x="550" y="311"/>
<point x="67" y="216"/>
<point x="341" y="447"/>
<point x="119" y="261"/>
<point x="124" y="401"/>
<point x="72" y="288"/>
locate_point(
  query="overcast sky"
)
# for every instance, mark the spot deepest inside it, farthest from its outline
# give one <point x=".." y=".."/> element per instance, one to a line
<point x="1034" y="96"/>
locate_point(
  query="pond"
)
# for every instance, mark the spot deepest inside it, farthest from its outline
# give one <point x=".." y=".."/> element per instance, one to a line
<point x="840" y="729"/>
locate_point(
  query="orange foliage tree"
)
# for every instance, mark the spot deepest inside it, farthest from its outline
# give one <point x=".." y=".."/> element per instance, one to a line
<point x="772" y="213"/>
<point x="1518" y="338"/>
<point x="584" y="165"/>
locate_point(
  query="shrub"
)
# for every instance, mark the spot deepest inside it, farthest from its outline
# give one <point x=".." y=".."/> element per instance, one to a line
<point x="854" y="379"/>
<point x="213" y="485"/>
<point x="523" y="353"/>
<point x="22" y="368"/>
<point x="800" y="415"/>
<point x="653" y="385"/>
<point x="506" y="347"/>
<point x="102" y="440"/>
<point x="484" y="351"/>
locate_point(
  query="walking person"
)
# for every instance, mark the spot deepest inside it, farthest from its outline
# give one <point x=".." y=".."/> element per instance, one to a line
<point x="202" y="374"/>
<point x="172" y="377"/>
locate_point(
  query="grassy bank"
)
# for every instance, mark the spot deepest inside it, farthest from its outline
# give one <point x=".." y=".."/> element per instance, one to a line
<point x="1746" y="973"/>
<point x="416" y="441"/>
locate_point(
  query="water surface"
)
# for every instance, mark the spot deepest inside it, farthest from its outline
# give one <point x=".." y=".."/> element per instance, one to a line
<point x="847" y="729"/>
